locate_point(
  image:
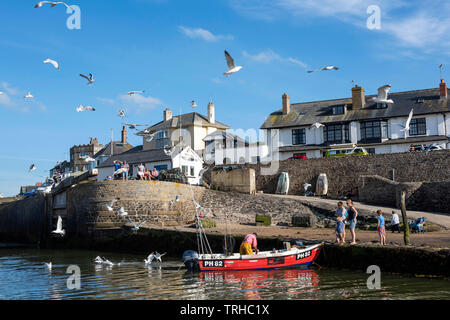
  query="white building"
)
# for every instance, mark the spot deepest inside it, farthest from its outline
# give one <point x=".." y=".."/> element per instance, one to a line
<point x="184" y="158"/>
<point x="360" y="121"/>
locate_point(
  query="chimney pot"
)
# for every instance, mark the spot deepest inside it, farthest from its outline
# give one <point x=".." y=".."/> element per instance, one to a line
<point x="211" y="112"/>
<point x="124" y="135"/>
<point x="286" y="104"/>
<point x="167" y="114"/>
<point x="358" y="97"/>
<point x="443" y="89"/>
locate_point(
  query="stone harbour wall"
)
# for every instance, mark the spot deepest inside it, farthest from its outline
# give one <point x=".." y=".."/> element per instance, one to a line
<point x="425" y="196"/>
<point x="343" y="173"/>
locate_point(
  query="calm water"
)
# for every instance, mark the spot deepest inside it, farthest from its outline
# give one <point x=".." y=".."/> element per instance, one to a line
<point x="24" y="276"/>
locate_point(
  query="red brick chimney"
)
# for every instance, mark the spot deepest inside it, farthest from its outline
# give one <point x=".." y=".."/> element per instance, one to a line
<point x="124" y="135"/>
<point x="443" y="89"/>
<point x="286" y="104"/>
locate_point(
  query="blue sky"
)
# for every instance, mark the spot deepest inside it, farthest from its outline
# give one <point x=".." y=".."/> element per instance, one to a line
<point x="173" y="50"/>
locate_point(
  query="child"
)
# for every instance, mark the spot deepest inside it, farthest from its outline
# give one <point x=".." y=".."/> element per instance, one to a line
<point x="395" y="222"/>
<point x="381" y="228"/>
<point x="340" y="231"/>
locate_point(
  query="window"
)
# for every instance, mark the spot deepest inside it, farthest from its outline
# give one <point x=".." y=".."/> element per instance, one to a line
<point x="338" y="109"/>
<point x="373" y="130"/>
<point x="299" y="155"/>
<point x="192" y="171"/>
<point x="336" y="133"/>
<point x="162" y="134"/>
<point x="370" y="150"/>
<point x="184" y="169"/>
<point x="161" y="167"/>
<point x="84" y="154"/>
<point x="381" y="105"/>
<point x="417" y="127"/>
<point x="298" y="136"/>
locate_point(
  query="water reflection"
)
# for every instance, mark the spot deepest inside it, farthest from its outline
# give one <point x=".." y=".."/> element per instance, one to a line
<point x="23" y="276"/>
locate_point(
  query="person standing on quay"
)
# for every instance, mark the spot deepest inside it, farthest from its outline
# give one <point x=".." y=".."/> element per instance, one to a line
<point x="342" y="213"/>
<point x="352" y="214"/>
<point x="381" y="228"/>
<point x="126" y="168"/>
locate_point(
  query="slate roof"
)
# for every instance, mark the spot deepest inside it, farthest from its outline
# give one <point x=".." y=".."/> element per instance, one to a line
<point x="187" y="119"/>
<point x="307" y="113"/>
<point x="136" y="156"/>
<point x="221" y="134"/>
<point x="118" y="147"/>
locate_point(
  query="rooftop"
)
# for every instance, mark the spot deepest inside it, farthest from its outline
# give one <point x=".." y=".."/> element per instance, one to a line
<point x="426" y="101"/>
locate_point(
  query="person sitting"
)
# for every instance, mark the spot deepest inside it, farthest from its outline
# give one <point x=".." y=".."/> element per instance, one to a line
<point x="140" y="172"/>
<point x="155" y="174"/>
<point x="247" y="244"/>
<point x="147" y="174"/>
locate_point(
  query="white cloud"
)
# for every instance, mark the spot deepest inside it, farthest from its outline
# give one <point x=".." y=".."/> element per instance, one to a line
<point x="422" y="24"/>
<point x="139" y="102"/>
<point x="269" y="56"/>
<point x="199" y="33"/>
<point x="13" y="100"/>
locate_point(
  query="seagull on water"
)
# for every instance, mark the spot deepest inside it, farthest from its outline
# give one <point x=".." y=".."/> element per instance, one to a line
<point x="158" y="256"/>
<point x="59" y="229"/>
<point x="52" y="62"/>
<point x="90" y="78"/>
<point x="382" y="95"/>
<point x="110" y="204"/>
<point x="102" y="260"/>
<point x="122" y="212"/>
<point x="150" y="258"/>
<point x="231" y="66"/>
<point x="135" y="226"/>
<point x="28" y="95"/>
<point x="317" y="125"/>
<point x="408" y="121"/>
<point x="48" y="265"/>
<point x="134" y="92"/>
<point x="324" y="69"/>
<point x="82" y="108"/>
<point x="32" y="168"/>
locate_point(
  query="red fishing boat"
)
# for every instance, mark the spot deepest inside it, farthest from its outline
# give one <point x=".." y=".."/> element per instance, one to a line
<point x="275" y="259"/>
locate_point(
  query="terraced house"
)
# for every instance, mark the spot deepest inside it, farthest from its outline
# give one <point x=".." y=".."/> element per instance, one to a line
<point x="313" y="128"/>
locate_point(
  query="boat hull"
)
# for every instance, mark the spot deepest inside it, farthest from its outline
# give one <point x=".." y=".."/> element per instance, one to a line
<point x="287" y="259"/>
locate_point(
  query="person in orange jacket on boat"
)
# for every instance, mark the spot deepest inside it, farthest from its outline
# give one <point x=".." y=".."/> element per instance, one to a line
<point x="248" y="243"/>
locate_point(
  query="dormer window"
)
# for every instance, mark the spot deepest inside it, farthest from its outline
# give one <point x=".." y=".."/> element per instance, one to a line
<point x="338" y="110"/>
<point x="381" y="105"/>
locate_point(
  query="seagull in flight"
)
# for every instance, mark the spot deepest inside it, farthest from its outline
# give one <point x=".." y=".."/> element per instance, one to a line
<point x="32" y="168"/>
<point x="59" y="229"/>
<point x="150" y="137"/>
<point x="408" y="121"/>
<point x="110" y="204"/>
<point x="382" y="95"/>
<point x="28" y="95"/>
<point x="82" y="108"/>
<point x="135" y="226"/>
<point x="317" y="125"/>
<point x="1" y="93"/>
<point x="52" y="62"/>
<point x="90" y="78"/>
<point x="158" y="256"/>
<point x="89" y="159"/>
<point x="52" y="4"/>
<point x="134" y="92"/>
<point x="167" y="150"/>
<point x="121" y="113"/>
<point x="231" y="66"/>
<point x="193" y="104"/>
<point x="150" y="258"/>
<point x="122" y="212"/>
<point x="134" y="125"/>
<point x="324" y="69"/>
<point x="197" y="205"/>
